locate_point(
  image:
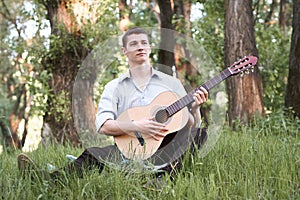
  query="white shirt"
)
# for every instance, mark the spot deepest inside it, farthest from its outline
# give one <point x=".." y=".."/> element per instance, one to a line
<point x="122" y="93"/>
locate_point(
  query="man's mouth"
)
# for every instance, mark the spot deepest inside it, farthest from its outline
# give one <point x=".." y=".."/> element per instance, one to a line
<point x="141" y="54"/>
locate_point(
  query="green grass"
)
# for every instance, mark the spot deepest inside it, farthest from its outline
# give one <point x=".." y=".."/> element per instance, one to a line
<point x="257" y="162"/>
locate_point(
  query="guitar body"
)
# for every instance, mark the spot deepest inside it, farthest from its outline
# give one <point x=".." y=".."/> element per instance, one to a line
<point x="130" y="145"/>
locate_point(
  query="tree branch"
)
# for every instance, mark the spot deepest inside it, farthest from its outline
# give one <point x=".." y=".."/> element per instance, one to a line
<point x="7" y="15"/>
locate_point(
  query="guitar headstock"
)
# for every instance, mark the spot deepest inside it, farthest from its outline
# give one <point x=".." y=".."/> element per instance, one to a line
<point x="243" y="65"/>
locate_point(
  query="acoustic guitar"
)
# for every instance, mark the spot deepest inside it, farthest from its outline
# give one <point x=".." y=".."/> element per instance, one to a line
<point x="168" y="108"/>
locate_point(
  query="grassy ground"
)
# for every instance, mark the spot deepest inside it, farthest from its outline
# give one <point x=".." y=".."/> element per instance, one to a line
<point x="258" y="162"/>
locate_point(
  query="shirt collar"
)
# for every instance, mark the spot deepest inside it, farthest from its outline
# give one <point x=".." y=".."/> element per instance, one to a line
<point x="126" y="75"/>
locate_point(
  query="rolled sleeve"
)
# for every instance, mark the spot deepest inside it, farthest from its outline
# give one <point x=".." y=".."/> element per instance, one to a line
<point x="107" y="107"/>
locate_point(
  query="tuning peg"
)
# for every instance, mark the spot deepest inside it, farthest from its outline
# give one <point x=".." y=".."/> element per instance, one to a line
<point x="252" y="69"/>
<point x="241" y="73"/>
<point x="247" y="71"/>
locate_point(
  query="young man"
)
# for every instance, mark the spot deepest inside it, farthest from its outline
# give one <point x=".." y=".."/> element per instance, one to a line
<point x="138" y="87"/>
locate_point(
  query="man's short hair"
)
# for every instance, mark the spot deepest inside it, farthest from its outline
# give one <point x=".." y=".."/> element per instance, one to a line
<point x="135" y="30"/>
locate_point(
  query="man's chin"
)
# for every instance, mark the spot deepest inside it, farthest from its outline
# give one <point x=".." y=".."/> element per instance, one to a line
<point x="142" y="61"/>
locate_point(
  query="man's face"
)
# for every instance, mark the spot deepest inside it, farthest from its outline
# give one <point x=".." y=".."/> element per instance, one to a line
<point x="137" y="48"/>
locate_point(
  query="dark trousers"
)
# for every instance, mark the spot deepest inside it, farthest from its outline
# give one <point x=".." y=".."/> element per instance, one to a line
<point x="167" y="158"/>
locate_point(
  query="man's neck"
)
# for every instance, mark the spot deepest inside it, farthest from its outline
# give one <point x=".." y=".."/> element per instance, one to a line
<point x="139" y="72"/>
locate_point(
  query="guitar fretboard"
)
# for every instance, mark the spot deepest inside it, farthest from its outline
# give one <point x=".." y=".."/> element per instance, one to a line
<point x="187" y="99"/>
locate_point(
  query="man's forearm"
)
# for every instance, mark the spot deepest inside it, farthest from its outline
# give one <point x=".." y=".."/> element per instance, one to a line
<point x="116" y="128"/>
<point x="195" y="110"/>
<point x="197" y="117"/>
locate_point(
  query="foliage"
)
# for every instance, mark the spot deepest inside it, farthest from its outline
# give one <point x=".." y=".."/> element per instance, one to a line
<point x="8" y="49"/>
<point x="273" y="48"/>
<point x="143" y="16"/>
<point x="208" y="30"/>
<point x="4" y="106"/>
<point x="273" y="43"/>
<point x="4" y="112"/>
<point x="255" y="162"/>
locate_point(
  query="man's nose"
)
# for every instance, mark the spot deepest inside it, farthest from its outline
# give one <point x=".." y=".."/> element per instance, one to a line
<point x="140" y="46"/>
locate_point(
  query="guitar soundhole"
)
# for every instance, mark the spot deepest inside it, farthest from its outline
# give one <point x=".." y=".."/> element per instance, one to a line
<point x="162" y="116"/>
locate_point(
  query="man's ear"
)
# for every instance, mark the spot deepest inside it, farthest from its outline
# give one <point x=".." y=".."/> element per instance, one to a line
<point x="124" y="50"/>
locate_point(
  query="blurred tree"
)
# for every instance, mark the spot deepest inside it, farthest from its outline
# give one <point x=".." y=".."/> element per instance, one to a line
<point x="66" y="52"/>
<point x="124" y="14"/>
<point x="76" y="26"/>
<point x="167" y="41"/>
<point x="175" y="29"/>
<point x="15" y="67"/>
<point x="273" y="45"/>
<point x="270" y="13"/>
<point x="244" y="93"/>
<point x="292" y="96"/>
<point x="282" y="18"/>
<point x="182" y="24"/>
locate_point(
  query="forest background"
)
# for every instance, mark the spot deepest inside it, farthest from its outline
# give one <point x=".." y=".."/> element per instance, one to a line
<point x="45" y="42"/>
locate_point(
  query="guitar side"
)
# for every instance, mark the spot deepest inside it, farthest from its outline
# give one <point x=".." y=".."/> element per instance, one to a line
<point x="129" y="144"/>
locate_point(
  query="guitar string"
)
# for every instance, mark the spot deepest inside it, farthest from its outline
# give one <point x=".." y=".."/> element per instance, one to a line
<point x="184" y="101"/>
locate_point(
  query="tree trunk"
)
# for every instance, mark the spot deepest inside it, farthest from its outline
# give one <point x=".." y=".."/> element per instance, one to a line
<point x="84" y="112"/>
<point x="8" y="139"/>
<point x="182" y="11"/>
<point x="16" y="116"/>
<point x="66" y="23"/>
<point x="292" y="97"/>
<point x="166" y="46"/>
<point x="244" y="93"/>
<point x="282" y="20"/>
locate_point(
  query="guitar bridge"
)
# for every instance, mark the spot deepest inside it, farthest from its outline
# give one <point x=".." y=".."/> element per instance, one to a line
<point x="140" y="138"/>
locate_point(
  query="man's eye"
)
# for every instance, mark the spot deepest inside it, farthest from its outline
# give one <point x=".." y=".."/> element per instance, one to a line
<point x="133" y="44"/>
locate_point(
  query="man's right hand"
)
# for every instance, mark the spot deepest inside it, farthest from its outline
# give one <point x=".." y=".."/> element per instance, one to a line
<point x="150" y="127"/>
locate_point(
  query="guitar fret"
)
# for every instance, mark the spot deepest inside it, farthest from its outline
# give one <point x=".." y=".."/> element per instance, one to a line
<point x="215" y="81"/>
<point x="184" y="101"/>
<point x="190" y="98"/>
<point x="223" y="74"/>
<point x="175" y="106"/>
<point x="171" y="109"/>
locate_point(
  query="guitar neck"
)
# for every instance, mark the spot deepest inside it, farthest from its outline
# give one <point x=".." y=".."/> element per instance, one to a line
<point x="187" y="99"/>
